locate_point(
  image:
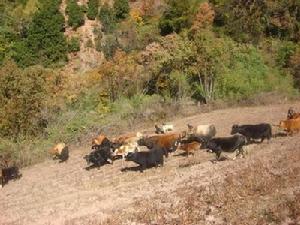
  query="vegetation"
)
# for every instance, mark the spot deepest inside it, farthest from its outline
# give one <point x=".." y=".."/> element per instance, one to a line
<point x="44" y="42"/>
<point x="74" y="44"/>
<point x="107" y="18"/>
<point x="93" y="8"/>
<point x="228" y="50"/>
<point x="121" y="8"/>
<point x="75" y="14"/>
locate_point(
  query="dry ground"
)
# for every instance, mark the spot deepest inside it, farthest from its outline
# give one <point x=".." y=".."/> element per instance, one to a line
<point x="263" y="188"/>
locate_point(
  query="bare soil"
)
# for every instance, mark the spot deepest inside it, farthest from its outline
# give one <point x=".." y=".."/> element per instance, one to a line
<point x="263" y="188"/>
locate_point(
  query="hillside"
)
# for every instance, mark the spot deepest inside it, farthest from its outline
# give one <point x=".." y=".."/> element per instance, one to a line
<point x="259" y="189"/>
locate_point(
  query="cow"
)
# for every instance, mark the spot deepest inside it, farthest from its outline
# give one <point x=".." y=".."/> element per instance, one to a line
<point x="60" y="151"/>
<point x="94" y="159"/>
<point x="189" y="147"/>
<point x="168" y="142"/>
<point x="208" y="130"/>
<point x="123" y="150"/>
<point x="100" y="140"/>
<point x="147" y="159"/>
<point x="102" y="152"/>
<point x="292" y="114"/>
<point x="128" y="138"/>
<point x="164" y="128"/>
<point x="218" y="145"/>
<point x="257" y="131"/>
<point x="9" y="173"/>
<point x="291" y="125"/>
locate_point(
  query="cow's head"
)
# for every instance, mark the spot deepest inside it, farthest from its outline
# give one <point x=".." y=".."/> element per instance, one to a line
<point x="234" y="129"/>
<point x="290" y="113"/>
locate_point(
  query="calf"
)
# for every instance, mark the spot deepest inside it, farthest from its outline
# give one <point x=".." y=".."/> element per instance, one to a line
<point x="225" y="144"/>
<point x="154" y="157"/>
<point x="189" y="147"/>
<point x="125" y="149"/>
<point x="291" y="125"/>
<point x="258" y="131"/>
<point x="208" y="130"/>
<point x="60" y="151"/>
<point x="9" y="173"/>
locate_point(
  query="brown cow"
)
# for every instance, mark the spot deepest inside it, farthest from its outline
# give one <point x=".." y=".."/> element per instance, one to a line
<point x="189" y="147"/>
<point x="168" y="142"/>
<point x="127" y="138"/>
<point x="291" y="125"/>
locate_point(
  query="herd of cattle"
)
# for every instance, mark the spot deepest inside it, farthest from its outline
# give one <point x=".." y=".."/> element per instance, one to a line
<point x="149" y="150"/>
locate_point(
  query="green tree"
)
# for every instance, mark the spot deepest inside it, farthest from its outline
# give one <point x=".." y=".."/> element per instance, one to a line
<point x="45" y="43"/>
<point x="93" y="7"/>
<point x="107" y="18"/>
<point x="75" y="14"/>
<point x="177" y="16"/>
<point x="121" y="8"/>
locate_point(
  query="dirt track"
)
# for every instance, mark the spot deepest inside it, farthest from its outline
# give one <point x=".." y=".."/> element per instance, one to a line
<point x="52" y="193"/>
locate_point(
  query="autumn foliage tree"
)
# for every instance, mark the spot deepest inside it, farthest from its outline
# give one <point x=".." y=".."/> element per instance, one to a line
<point x="23" y="96"/>
<point x="204" y="17"/>
<point x="121" y="76"/>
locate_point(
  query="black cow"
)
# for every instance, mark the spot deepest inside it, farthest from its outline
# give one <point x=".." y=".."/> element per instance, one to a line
<point x="153" y="144"/>
<point x="153" y="157"/>
<point x="64" y="155"/>
<point x="9" y="173"/>
<point x="101" y="154"/>
<point x="95" y="159"/>
<point x="258" y="131"/>
<point x="224" y="144"/>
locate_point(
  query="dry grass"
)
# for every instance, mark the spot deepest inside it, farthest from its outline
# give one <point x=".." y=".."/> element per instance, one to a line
<point x="266" y="191"/>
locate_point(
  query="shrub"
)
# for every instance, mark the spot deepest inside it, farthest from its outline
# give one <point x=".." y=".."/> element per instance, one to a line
<point x="93" y="7"/>
<point x="107" y="18"/>
<point x="109" y="45"/>
<point x="121" y="8"/>
<point x="74" y="44"/>
<point x="75" y="14"/>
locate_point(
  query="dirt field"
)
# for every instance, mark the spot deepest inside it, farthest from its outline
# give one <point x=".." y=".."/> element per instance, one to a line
<point x="263" y="188"/>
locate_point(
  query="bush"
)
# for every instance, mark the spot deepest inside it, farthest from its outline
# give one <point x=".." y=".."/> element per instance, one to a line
<point x="22" y="97"/>
<point x="74" y="44"/>
<point x="107" y="18"/>
<point x="75" y="14"/>
<point x="93" y="6"/>
<point x="121" y="8"/>
<point x="109" y="45"/>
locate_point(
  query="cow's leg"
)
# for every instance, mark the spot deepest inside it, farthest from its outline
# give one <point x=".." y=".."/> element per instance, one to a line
<point x="241" y="151"/>
<point x="248" y="140"/>
<point x="142" y="168"/>
<point x="262" y="139"/>
<point x="218" y="154"/>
